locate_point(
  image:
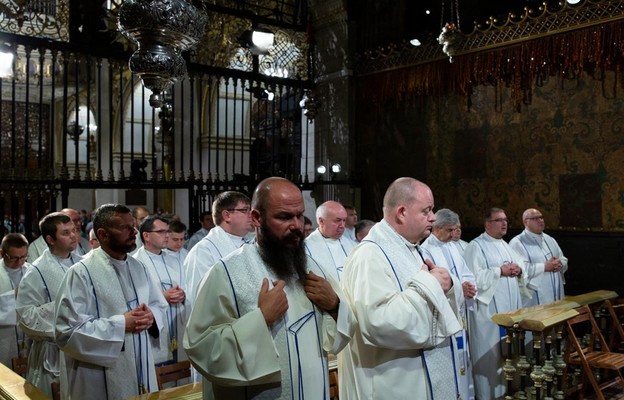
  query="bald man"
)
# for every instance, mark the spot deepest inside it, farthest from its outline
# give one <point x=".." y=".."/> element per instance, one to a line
<point x="407" y="309"/>
<point x="270" y="308"/>
<point x="544" y="260"/>
<point x="327" y="245"/>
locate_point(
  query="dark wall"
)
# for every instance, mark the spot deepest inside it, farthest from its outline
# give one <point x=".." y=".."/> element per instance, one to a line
<point x="596" y="261"/>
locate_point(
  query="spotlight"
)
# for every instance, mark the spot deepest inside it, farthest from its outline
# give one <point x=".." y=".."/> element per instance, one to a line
<point x="6" y="61"/>
<point x="258" y="41"/>
<point x="335" y="168"/>
<point x="321" y="169"/>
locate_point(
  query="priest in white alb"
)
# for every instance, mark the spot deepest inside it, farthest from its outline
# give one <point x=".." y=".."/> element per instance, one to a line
<point x="108" y="316"/>
<point x="230" y="210"/>
<point x="544" y="259"/>
<point x="267" y="315"/>
<point x="406" y="308"/>
<point x="13" y="266"/>
<point x="440" y="249"/>
<point x="169" y="275"/>
<point x="36" y="294"/>
<point x="328" y="245"/>
<point x="500" y="284"/>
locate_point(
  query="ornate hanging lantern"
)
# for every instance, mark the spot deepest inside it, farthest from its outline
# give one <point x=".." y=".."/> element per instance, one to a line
<point x="450" y="37"/>
<point x="162" y="30"/>
<point x="309" y="105"/>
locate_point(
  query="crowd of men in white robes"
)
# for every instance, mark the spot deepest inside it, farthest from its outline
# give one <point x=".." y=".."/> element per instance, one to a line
<point x="256" y="305"/>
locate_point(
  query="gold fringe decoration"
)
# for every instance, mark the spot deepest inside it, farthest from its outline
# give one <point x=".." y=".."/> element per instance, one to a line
<point x="520" y="67"/>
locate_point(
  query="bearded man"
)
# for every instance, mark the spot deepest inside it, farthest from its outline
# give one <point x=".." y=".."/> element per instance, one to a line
<point x="109" y="314"/>
<point x="267" y="315"/>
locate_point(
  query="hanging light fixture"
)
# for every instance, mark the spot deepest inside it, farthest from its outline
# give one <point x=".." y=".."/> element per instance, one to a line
<point x="6" y="61"/>
<point x="309" y="105"/>
<point x="161" y="29"/>
<point x="450" y="36"/>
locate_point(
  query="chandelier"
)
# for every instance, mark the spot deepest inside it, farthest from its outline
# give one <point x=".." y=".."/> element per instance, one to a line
<point x="162" y="30"/>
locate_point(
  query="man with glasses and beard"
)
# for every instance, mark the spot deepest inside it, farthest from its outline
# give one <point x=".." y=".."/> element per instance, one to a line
<point x="109" y="313"/>
<point x="266" y="316"/>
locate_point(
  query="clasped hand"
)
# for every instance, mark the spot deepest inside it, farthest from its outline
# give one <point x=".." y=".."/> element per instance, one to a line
<point x="174" y="295"/>
<point x="511" y="269"/>
<point x="139" y="318"/>
<point x="441" y="274"/>
<point x="469" y="289"/>
<point x="552" y="265"/>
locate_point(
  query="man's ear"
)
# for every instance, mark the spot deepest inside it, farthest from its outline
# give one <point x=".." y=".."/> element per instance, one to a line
<point x="256" y="219"/>
<point x="101" y="234"/>
<point x="49" y="240"/>
<point x="400" y="212"/>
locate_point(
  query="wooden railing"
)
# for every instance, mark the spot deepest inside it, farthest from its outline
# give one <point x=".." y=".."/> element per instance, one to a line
<point x="15" y="387"/>
<point x="545" y="324"/>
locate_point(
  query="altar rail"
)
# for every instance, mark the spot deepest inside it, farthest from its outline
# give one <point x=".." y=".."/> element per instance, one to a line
<point x="546" y="326"/>
<point x="15" y="387"/>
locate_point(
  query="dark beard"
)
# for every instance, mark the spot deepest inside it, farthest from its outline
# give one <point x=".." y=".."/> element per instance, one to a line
<point x="121" y="247"/>
<point x="288" y="262"/>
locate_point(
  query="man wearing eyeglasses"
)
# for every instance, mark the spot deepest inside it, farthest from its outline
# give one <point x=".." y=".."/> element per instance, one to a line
<point x="169" y="274"/>
<point x="499" y="271"/>
<point x="14" y="250"/>
<point x="544" y="259"/>
<point x="230" y="211"/>
<point x="37" y="292"/>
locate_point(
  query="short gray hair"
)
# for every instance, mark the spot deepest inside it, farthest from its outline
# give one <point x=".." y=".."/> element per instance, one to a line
<point x="321" y="212"/>
<point x="445" y="217"/>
